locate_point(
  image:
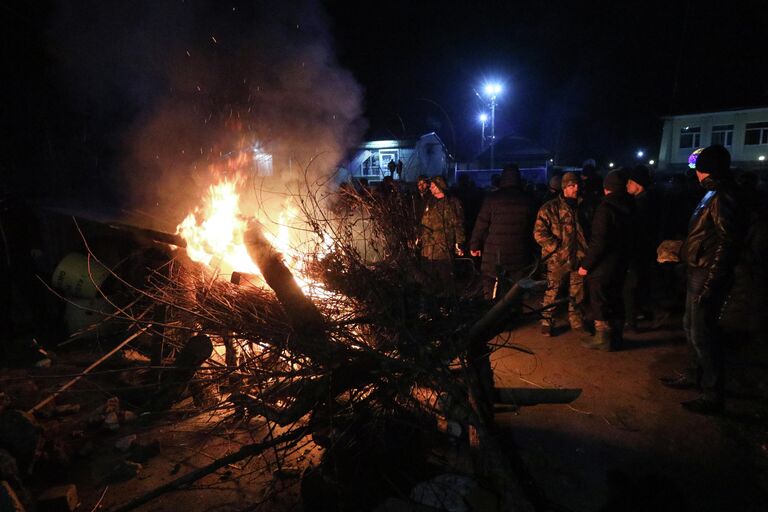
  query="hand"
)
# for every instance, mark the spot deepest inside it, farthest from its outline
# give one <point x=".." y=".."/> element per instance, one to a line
<point x="477" y="253"/>
<point x="459" y="250"/>
<point x="582" y="271"/>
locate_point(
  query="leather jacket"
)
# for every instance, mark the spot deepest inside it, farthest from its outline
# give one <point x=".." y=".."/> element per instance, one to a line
<point x="715" y="232"/>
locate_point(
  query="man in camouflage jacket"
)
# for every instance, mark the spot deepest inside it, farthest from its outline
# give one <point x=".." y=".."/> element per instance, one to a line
<point x="442" y="226"/>
<point x="559" y="230"/>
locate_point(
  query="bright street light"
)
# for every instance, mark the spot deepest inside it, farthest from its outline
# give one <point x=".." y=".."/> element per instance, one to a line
<point x="610" y="164"/>
<point x="483" y="119"/>
<point x="492" y="89"/>
<point x="761" y="158"/>
<point x="651" y="162"/>
<point x="640" y="153"/>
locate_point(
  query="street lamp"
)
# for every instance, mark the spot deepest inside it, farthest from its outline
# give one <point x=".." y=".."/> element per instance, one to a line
<point x="640" y="153"/>
<point x="492" y="91"/>
<point x="483" y="119"/>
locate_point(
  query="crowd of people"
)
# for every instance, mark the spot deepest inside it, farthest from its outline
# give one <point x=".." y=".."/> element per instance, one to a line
<point x="597" y="241"/>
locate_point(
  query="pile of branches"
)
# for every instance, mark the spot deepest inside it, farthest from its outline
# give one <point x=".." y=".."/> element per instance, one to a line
<point x="377" y="351"/>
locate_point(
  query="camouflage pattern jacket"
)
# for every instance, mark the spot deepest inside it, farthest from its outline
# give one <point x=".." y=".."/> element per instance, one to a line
<point x="442" y="227"/>
<point x="560" y="233"/>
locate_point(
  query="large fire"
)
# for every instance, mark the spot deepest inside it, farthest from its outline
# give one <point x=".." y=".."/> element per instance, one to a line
<point x="214" y="233"/>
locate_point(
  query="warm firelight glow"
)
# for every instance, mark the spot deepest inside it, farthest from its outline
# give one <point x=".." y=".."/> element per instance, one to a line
<point x="214" y="233"/>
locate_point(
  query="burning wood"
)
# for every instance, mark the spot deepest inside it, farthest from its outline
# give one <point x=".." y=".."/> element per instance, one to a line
<point x="354" y="355"/>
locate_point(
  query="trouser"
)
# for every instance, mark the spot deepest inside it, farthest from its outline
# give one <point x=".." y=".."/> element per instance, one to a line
<point x="605" y="301"/>
<point x="557" y="278"/>
<point x="439" y="275"/>
<point x="636" y="289"/>
<point x="498" y="282"/>
<point x="703" y="337"/>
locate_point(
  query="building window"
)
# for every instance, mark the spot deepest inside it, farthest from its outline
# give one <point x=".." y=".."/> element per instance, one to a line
<point x="690" y="137"/>
<point x="756" y="133"/>
<point x="722" y="134"/>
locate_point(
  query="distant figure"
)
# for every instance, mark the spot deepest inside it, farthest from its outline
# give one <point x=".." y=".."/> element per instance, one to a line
<point x="553" y="188"/>
<point x="495" y="179"/>
<point x="502" y="234"/>
<point x="591" y="191"/>
<point x="399" y="168"/>
<point x="710" y="252"/>
<point x="559" y="231"/>
<point x="422" y="198"/>
<point x="392" y="166"/>
<point x="605" y="264"/>
<point x="470" y="197"/>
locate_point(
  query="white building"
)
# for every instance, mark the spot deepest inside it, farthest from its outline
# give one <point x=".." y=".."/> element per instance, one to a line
<point x="744" y="132"/>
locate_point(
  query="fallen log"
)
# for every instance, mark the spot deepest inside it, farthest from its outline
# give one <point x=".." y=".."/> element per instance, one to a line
<point x="536" y="396"/>
<point x="175" y="380"/>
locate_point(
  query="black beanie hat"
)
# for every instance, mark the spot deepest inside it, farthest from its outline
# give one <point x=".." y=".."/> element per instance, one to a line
<point x="615" y="181"/>
<point x="640" y="175"/>
<point x="510" y="176"/>
<point x="715" y="160"/>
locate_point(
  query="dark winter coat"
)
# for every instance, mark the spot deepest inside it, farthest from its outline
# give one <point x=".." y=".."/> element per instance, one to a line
<point x="714" y="236"/>
<point x="503" y="230"/>
<point x="612" y="240"/>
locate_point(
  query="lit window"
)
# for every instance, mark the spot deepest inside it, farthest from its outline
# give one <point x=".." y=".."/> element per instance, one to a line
<point x="756" y="133"/>
<point x="722" y="134"/>
<point x="690" y="137"/>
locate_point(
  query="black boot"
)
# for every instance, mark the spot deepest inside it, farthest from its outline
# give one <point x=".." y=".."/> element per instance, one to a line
<point x="704" y="405"/>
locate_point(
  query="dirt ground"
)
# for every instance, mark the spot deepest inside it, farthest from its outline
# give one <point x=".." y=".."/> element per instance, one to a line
<point x="626" y="443"/>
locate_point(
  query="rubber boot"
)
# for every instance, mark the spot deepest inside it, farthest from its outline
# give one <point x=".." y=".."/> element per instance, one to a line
<point x="602" y="338"/>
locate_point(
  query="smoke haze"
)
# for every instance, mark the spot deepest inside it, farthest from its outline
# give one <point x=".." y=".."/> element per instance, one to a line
<point x="186" y="91"/>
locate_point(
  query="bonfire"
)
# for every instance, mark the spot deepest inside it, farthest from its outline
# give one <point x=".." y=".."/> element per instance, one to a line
<point x="319" y="322"/>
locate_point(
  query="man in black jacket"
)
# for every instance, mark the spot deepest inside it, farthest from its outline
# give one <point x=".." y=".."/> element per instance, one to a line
<point x="605" y="265"/>
<point x="502" y="234"/>
<point x="710" y="252"/>
<point x="643" y="258"/>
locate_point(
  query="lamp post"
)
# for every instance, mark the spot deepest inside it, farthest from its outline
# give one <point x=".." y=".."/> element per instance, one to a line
<point x="483" y="119"/>
<point x="492" y="90"/>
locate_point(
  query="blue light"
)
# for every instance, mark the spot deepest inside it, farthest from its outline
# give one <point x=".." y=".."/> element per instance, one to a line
<point x="483" y="117"/>
<point x="492" y="89"/>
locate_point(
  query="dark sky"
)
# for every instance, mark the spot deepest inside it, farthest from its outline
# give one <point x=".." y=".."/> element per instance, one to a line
<point x="583" y="78"/>
<point x="84" y="79"/>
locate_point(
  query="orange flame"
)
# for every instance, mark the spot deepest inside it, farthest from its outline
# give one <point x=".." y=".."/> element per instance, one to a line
<point x="214" y="233"/>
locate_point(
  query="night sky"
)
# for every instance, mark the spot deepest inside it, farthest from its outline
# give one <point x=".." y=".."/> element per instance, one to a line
<point x="584" y="79"/>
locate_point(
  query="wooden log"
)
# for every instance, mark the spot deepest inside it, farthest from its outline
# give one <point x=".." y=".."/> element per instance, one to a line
<point x="175" y="380"/>
<point x="535" y="396"/>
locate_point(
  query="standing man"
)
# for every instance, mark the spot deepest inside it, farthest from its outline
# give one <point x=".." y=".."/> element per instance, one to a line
<point x="442" y="231"/>
<point x="710" y="252"/>
<point x="392" y="167"/>
<point x="643" y="258"/>
<point x="559" y="230"/>
<point x="605" y="265"/>
<point x="502" y="234"/>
